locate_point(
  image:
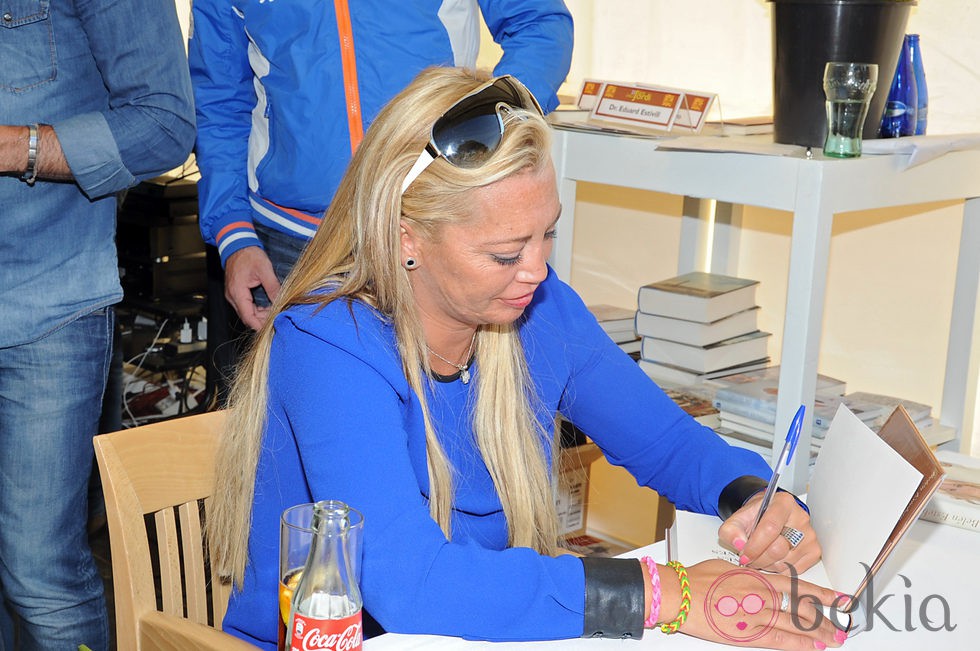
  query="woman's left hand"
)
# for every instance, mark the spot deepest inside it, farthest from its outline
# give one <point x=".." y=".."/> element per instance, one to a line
<point x="767" y="548"/>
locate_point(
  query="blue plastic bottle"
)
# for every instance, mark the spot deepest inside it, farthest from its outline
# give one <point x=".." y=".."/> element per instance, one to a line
<point x="921" y="90"/>
<point x="900" y="109"/>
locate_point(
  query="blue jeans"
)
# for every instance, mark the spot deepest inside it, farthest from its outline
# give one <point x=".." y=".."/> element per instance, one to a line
<point x="50" y="400"/>
<point x="283" y="251"/>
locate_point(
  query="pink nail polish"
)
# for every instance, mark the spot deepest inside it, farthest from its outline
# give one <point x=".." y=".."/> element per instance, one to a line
<point x="739" y="544"/>
<point x="840" y="636"/>
<point x="817" y="644"/>
<point x="743" y="560"/>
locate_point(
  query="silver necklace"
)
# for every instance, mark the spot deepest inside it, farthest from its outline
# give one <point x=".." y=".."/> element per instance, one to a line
<point x="464" y="369"/>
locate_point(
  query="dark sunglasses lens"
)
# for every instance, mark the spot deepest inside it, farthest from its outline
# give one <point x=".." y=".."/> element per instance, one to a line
<point x="469" y="140"/>
<point x="470" y="130"/>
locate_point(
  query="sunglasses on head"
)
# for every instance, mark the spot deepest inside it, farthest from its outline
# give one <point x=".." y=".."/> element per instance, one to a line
<point x="470" y="131"/>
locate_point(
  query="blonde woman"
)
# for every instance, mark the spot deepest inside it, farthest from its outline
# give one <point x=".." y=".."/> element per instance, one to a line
<point x="413" y="367"/>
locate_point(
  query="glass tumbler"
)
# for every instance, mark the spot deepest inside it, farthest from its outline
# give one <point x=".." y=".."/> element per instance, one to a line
<point x="295" y="536"/>
<point x="849" y="88"/>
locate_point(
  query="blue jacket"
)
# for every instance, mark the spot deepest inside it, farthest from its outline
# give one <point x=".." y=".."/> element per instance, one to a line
<point x="343" y="424"/>
<point x="273" y="138"/>
<point x="111" y="79"/>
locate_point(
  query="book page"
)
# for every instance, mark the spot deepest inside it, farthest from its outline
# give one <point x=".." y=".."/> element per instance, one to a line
<point x="859" y="490"/>
<point x="697" y="540"/>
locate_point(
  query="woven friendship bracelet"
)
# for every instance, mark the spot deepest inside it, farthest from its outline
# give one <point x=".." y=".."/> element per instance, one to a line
<point x="674" y="626"/>
<point x="655" y="589"/>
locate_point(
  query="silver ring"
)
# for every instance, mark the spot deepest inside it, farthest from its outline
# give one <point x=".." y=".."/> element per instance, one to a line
<point x="784" y="606"/>
<point x="794" y="536"/>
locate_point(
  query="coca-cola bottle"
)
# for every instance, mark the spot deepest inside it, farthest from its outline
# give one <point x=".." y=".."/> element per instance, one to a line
<point x="326" y="608"/>
<point x="900" y="109"/>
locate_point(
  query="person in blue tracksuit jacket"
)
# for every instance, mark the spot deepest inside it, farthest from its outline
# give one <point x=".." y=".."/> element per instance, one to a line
<point x="273" y="81"/>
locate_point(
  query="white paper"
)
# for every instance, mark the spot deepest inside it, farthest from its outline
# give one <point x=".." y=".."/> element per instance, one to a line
<point x="922" y="148"/>
<point x="859" y="489"/>
<point x="697" y="540"/>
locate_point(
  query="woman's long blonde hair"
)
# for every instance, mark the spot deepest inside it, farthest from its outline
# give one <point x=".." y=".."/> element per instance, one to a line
<point x="356" y="253"/>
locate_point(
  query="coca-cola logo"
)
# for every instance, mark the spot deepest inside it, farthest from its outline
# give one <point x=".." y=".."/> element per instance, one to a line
<point x="316" y="638"/>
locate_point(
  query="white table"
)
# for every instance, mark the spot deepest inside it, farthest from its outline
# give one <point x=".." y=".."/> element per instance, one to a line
<point x="813" y="191"/>
<point x="934" y="560"/>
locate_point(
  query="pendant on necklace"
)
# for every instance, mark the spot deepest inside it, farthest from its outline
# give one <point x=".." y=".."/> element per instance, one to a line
<point x="464" y="375"/>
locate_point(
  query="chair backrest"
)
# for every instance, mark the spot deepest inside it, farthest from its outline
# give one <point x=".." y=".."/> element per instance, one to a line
<point x="157" y="481"/>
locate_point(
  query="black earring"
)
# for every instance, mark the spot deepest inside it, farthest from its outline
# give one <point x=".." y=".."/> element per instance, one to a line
<point x="410" y="263"/>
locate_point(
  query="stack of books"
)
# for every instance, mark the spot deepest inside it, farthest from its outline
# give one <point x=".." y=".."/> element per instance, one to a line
<point x="617" y="322"/>
<point x="699" y="326"/>
<point x="874" y="409"/>
<point x="921" y="414"/>
<point x="746" y="404"/>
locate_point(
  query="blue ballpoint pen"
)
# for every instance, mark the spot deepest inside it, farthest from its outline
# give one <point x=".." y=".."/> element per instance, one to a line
<point x="789" y="447"/>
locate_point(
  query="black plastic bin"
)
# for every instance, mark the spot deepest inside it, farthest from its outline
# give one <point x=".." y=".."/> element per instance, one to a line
<point x="806" y="34"/>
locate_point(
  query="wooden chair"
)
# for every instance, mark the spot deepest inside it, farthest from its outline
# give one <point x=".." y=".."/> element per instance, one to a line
<point x="157" y="480"/>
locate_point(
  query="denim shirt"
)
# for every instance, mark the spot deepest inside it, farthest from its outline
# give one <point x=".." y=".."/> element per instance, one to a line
<point x="111" y="77"/>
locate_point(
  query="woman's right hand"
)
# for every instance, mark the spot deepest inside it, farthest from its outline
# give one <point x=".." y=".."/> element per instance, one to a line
<point x="743" y="607"/>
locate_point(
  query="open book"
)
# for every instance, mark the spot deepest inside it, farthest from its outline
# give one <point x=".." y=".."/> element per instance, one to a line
<point x="865" y="492"/>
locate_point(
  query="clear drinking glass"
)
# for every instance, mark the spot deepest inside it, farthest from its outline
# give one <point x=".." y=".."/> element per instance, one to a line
<point x="849" y="88"/>
<point x="295" y="536"/>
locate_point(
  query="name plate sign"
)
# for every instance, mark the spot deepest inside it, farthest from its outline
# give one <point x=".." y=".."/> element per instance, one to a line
<point x="645" y="106"/>
<point x="637" y="106"/>
<point x="692" y="111"/>
<point x="590" y="94"/>
<point x="591" y="88"/>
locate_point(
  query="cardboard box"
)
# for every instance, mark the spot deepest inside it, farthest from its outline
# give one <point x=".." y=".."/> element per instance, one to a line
<point x="571" y="501"/>
<point x="588" y="544"/>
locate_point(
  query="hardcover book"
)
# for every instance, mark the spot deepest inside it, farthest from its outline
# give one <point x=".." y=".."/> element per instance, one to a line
<point x="613" y="318"/>
<point x="665" y="373"/>
<point x="740" y="126"/>
<point x="761" y="425"/>
<point x="825" y="408"/>
<point x="631" y="346"/>
<point x="617" y="322"/>
<point x="694" y="333"/>
<point x="749" y="442"/>
<point x="758" y="429"/>
<point x="957" y="501"/>
<point x="698" y="296"/>
<point x="704" y="359"/>
<point x="934" y="432"/>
